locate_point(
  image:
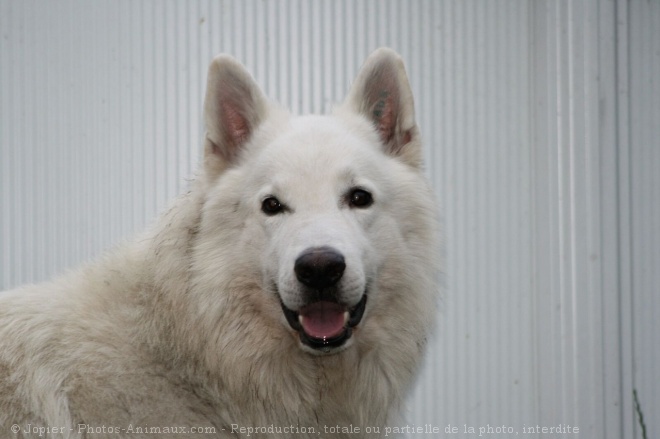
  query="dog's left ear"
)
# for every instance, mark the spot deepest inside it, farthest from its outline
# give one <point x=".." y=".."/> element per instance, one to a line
<point x="234" y="108"/>
<point x="382" y="94"/>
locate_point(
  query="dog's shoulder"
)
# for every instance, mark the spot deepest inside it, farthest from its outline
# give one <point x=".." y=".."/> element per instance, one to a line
<point x="70" y="358"/>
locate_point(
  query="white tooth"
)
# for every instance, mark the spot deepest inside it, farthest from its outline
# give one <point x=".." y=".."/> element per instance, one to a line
<point x="300" y="318"/>
<point x="346" y="317"/>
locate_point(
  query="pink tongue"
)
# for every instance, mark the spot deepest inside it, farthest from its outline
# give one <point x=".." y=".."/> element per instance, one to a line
<point x="323" y="319"/>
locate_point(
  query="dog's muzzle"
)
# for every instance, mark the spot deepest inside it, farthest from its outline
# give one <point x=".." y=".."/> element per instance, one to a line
<point x="324" y="322"/>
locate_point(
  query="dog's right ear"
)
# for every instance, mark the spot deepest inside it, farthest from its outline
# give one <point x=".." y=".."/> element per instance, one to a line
<point x="233" y="109"/>
<point x="381" y="93"/>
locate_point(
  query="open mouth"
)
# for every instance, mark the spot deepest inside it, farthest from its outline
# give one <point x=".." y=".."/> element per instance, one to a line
<point x="325" y="324"/>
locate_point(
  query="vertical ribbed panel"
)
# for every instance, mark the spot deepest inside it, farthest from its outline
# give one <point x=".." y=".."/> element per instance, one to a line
<point x="100" y="127"/>
<point x="644" y="88"/>
<point x="596" y="213"/>
<point x="541" y="127"/>
<point x="473" y="103"/>
<point x="571" y="230"/>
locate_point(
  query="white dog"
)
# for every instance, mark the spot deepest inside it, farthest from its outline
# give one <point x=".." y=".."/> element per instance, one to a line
<point x="289" y="294"/>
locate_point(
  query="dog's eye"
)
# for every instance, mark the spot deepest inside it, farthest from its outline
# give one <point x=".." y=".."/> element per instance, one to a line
<point x="360" y="198"/>
<point x="271" y="206"/>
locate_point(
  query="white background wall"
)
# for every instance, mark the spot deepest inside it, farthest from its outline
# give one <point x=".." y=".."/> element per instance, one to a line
<point x="542" y="127"/>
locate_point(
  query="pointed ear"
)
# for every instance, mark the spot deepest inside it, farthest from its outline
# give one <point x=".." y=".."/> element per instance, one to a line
<point x="233" y="109"/>
<point x="382" y="94"/>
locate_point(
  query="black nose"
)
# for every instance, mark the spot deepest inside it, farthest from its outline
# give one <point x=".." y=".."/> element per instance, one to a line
<point x="320" y="267"/>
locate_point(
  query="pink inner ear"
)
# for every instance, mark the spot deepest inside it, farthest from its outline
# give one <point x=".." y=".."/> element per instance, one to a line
<point x="236" y="125"/>
<point x="385" y="115"/>
<point x="407" y="137"/>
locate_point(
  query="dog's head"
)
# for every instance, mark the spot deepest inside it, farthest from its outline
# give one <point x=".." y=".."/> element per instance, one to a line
<point x="315" y="206"/>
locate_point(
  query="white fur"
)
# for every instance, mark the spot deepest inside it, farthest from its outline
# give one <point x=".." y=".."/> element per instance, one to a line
<point x="183" y="326"/>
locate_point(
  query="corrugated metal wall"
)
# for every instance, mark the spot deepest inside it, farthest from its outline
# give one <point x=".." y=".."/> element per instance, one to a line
<point x="643" y="200"/>
<point x="541" y="121"/>
<point x="577" y="284"/>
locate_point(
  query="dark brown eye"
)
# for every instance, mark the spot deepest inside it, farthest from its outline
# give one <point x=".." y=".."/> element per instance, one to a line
<point x="271" y="206"/>
<point x="360" y="198"/>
